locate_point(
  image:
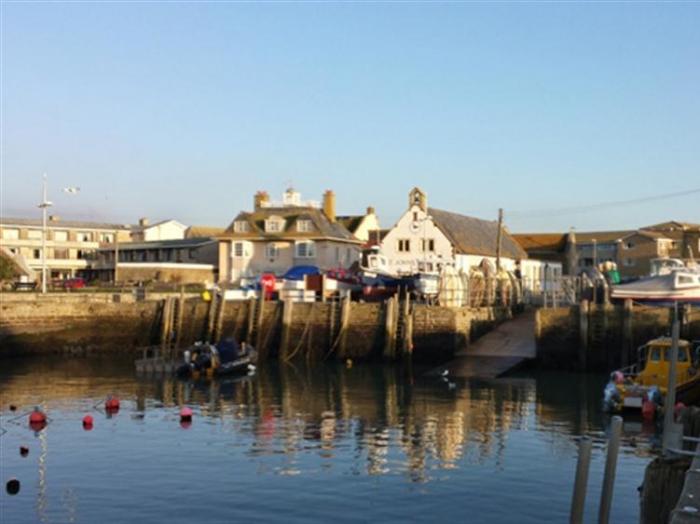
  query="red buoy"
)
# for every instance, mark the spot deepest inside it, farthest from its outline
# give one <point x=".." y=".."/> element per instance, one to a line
<point x="37" y="417"/>
<point x="87" y="422"/>
<point x="112" y="403"/>
<point x="24" y="451"/>
<point x="186" y="414"/>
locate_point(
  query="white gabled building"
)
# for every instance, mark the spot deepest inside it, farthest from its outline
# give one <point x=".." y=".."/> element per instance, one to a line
<point x="427" y="239"/>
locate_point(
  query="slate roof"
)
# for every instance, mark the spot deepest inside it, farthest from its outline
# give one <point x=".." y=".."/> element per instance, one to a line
<point x="601" y="237"/>
<point x="539" y="242"/>
<point x="351" y="222"/>
<point x="36" y="222"/>
<point x="204" y="231"/>
<point x="322" y="227"/>
<point x="474" y="236"/>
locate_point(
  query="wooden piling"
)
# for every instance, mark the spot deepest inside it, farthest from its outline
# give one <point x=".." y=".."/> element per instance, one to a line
<point x="180" y="318"/>
<point x="166" y="325"/>
<point x="582" y="466"/>
<point x="407" y="342"/>
<point x="626" y="333"/>
<point x="583" y="334"/>
<point x="251" y="320"/>
<point x="344" y="323"/>
<point x="219" y="325"/>
<point x="211" y="312"/>
<point x="606" y="494"/>
<point x="390" y="329"/>
<point x="287" y="309"/>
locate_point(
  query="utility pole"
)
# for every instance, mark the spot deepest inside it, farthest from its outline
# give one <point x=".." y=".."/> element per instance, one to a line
<point x="44" y="206"/>
<point x="499" y="235"/>
<point x="672" y="434"/>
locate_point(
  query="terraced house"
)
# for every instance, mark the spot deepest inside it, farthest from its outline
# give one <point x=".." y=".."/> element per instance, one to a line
<point x="278" y="235"/>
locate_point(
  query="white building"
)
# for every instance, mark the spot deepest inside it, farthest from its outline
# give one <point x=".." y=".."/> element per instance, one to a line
<point x="427" y="239"/>
<point x="163" y="230"/>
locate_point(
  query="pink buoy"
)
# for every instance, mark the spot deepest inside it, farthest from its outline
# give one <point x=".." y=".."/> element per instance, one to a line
<point x="186" y="414"/>
<point x="112" y="403"/>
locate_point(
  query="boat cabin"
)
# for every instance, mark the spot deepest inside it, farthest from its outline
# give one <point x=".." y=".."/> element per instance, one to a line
<point x="655" y="357"/>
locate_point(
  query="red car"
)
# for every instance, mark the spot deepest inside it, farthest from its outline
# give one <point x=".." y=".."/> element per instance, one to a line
<point x="73" y="283"/>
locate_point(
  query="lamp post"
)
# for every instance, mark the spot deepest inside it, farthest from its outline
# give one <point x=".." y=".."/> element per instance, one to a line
<point x="44" y="206"/>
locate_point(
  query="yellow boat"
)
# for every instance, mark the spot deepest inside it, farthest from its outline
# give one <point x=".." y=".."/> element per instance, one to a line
<point x="643" y="385"/>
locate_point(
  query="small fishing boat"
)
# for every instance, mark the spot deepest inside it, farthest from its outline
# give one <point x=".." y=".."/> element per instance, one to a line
<point x="677" y="285"/>
<point x="203" y="360"/>
<point x="643" y="385"/>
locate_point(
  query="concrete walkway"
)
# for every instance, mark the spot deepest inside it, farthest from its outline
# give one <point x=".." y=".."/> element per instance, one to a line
<point x="499" y="351"/>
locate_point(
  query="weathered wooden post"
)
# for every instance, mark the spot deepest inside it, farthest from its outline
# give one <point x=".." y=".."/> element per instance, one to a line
<point x="211" y="311"/>
<point x="287" y="309"/>
<point x="610" y="467"/>
<point x="180" y="318"/>
<point x="344" y="323"/>
<point x="389" y="329"/>
<point x="251" y="320"/>
<point x="583" y="309"/>
<point x="165" y="325"/>
<point x="673" y="434"/>
<point x="582" y="466"/>
<point x="219" y="325"/>
<point x="261" y="310"/>
<point x="626" y="332"/>
<point x="407" y="342"/>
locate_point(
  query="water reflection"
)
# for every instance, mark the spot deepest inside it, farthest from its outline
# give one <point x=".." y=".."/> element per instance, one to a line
<point x="389" y="418"/>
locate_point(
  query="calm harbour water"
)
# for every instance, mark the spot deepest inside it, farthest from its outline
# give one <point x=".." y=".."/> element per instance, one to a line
<point x="312" y="443"/>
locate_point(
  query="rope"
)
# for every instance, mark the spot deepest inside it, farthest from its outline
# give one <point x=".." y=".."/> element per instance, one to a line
<point x="303" y="334"/>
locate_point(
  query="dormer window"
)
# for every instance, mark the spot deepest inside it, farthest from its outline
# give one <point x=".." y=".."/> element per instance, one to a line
<point x="241" y="226"/>
<point x="274" y="225"/>
<point x="303" y="225"/>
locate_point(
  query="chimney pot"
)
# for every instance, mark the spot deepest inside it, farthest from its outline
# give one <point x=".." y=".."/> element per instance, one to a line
<point x="329" y="205"/>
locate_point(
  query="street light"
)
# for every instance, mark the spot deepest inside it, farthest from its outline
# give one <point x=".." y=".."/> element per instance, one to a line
<point x="44" y="206"/>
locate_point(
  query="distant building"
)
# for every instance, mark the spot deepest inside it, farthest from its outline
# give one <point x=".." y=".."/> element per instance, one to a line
<point x="363" y="227"/>
<point x="182" y="261"/>
<point x="70" y="244"/>
<point x="278" y="235"/>
<point x="163" y="230"/>
<point x="427" y="239"/>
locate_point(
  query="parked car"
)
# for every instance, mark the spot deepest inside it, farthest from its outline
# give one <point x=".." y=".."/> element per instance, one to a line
<point x="71" y="283"/>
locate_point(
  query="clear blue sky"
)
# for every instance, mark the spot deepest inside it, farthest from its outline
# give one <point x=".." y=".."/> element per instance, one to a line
<point x="185" y="110"/>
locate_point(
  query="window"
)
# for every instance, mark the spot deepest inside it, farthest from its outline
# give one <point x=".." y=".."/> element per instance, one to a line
<point x="273" y="225"/>
<point x="655" y="354"/>
<point x="628" y="245"/>
<point x="36" y="253"/>
<point x="303" y="226"/>
<point x="428" y="244"/>
<point x="106" y="237"/>
<point x="81" y="253"/>
<point x="305" y="249"/>
<point x="84" y="236"/>
<point x="241" y="226"/>
<point x="10" y="234"/>
<point x="629" y="262"/>
<point x="241" y="250"/>
<point x="60" y="236"/>
<point x="415" y="216"/>
<point x="272" y="251"/>
<point x="404" y="245"/>
<point x="34" y="234"/>
<point x="60" y="253"/>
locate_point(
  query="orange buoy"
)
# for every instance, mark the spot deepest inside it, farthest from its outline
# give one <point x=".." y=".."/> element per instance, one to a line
<point x="24" y="451"/>
<point x="87" y="422"/>
<point x="112" y="403"/>
<point x="12" y="487"/>
<point x="186" y="414"/>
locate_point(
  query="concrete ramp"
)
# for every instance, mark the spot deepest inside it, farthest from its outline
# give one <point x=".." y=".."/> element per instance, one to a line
<point x="508" y="346"/>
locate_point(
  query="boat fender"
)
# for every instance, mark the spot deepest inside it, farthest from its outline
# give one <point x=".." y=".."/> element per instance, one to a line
<point x="37" y="416"/>
<point x="87" y="422"/>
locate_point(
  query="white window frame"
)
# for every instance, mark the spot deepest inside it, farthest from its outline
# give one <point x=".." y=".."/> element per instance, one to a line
<point x="34" y="234"/>
<point x="60" y="236"/>
<point x="241" y="249"/>
<point x="272" y="250"/>
<point x="84" y="236"/>
<point x="10" y="234"/>
<point x="304" y="225"/>
<point x="241" y="226"/>
<point x="309" y="249"/>
<point x="403" y="245"/>
<point x="273" y="225"/>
